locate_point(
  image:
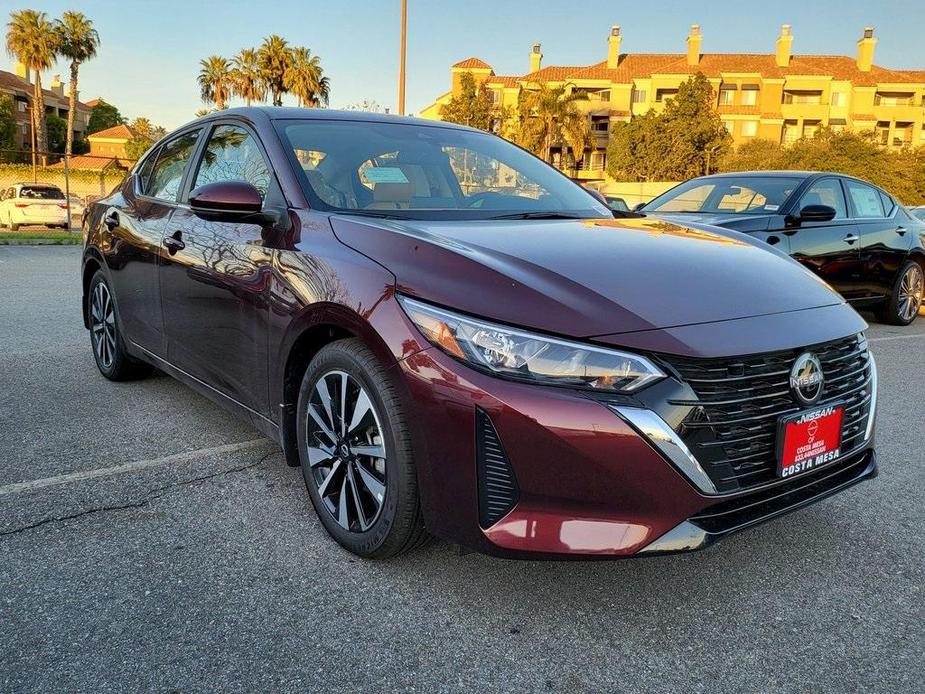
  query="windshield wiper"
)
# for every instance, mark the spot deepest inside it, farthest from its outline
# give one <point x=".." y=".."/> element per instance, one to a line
<point x="538" y="215"/>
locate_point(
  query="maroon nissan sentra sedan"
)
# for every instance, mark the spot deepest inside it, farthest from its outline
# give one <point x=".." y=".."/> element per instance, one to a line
<point x="453" y="339"/>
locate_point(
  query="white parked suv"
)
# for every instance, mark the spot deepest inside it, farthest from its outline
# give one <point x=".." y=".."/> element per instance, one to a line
<point x="25" y="204"/>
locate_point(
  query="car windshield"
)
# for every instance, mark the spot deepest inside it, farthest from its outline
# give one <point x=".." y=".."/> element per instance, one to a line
<point x="727" y="195"/>
<point x="40" y="193"/>
<point x="425" y="172"/>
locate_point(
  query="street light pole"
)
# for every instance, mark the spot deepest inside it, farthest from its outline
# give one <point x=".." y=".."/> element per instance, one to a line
<point x="401" y="61"/>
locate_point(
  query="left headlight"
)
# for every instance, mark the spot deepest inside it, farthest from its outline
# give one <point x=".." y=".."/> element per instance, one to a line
<point x="527" y="356"/>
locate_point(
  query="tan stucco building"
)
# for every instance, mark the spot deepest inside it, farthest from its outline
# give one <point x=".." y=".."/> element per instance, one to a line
<point x="779" y="96"/>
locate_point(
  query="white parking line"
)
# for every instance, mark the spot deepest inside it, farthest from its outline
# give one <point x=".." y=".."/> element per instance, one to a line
<point x="896" y="337"/>
<point x="135" y="466"/>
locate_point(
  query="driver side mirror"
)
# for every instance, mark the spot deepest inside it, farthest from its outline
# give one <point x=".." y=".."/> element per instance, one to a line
<point x="638" y="206"/>
<point x="816" y="213"/>
<point x="226" y="201"/>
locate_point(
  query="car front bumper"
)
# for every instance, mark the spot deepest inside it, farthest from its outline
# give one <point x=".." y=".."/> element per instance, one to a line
<point x="588" y="481"/>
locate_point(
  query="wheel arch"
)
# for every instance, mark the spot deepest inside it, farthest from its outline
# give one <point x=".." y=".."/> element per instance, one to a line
<point x="93" y="262"/>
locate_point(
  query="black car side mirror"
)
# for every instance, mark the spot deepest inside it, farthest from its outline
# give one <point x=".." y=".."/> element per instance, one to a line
<point x="228" y="201"/>
<point x="816" y="213"/>
<point x="638" y="206"/>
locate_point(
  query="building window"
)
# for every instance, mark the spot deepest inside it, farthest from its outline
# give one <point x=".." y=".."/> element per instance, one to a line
<point x="894" y="99"/>
<point x="790" y="132"/>
<point x="665" y="94"/>
<point x="839" y="98"/>
<point x="810" y="129"/>
<point x="22" y="106"/>
<point x="802" y="97"/>
<point x="730" y="126"/>
<point x="836" y="125"/>
<point x="882" y="132"/>
<point x="495" y="96"/>
<point x="605" y="95"/>
<point x="749" y="94"/>
<point x="727" y="95"/>
<point x="749" y="128"/>
<point x="639" y="96"/>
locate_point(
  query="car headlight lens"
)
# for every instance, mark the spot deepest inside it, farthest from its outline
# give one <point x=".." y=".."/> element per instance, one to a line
<point x="526" y="356"/>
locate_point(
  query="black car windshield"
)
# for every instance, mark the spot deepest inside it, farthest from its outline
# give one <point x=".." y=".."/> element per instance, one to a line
<point x="727" y="195"/>
<point x="400" y="170"/>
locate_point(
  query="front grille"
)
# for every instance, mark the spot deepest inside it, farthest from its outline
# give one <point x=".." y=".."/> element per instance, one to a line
<point x="732" y="427"/>
<point x="497" y="485"/>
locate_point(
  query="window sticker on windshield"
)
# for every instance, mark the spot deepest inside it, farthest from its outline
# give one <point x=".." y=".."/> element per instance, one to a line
<point x="385" y="174"/>
<point x="772" y="208"/>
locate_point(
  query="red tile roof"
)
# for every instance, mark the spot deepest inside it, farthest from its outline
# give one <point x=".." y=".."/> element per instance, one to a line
<point x="116" y="132"/>
<point x="10" y="81"/>
<point x="476" y="63"/>
<point x="504" y="80"/>
<point x="97" y="163"/>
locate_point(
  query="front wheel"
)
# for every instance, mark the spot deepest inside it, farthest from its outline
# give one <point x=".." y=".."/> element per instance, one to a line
<point x="356" y="454"/>
<point x="109" y="351"/>
<point x="906" y="298"/>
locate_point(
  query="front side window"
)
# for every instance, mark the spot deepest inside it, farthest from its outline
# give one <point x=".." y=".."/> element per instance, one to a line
<point x="233" y="155"/>
<point x="865" y="200"/>
<point x="425" y="172"/>
<point x="727" y="195"/>
<point x="167" y="173"/>
<point x="826" y="192"/>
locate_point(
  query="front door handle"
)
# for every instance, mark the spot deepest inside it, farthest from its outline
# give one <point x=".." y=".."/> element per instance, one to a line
<point x="111" y="220"/>
<point x="174" y="242"/>
<point x="851" y="238"/>
<point x="901" y="231"/>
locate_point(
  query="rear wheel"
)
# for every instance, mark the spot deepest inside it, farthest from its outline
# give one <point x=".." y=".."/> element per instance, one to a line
<point x="112" y="359"/>
<point x="906" y="298"/>
<point x="356" y="455"/>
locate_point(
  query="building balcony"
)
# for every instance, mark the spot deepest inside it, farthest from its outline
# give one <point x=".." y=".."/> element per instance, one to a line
<point x="804" y="111"/>
<point x="898" y="113"/>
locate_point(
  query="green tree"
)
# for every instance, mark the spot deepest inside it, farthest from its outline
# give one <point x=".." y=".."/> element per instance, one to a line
<point x="472" y="106"/>
<point x="103" y="116"/>
<point x="32" y="40"/>
<point x="144" y="134"/>
<point x="56" y="127"/>
<point x="77" y="41"/>
<point x="246" y="79"/>
<point x="215" y="81"/>
<point x="686" y="139"/>
<point x="7" y="125"/>
<point x="274" y="58"/>
<point x="549" y="116"/>
<point x="305" y="78"/>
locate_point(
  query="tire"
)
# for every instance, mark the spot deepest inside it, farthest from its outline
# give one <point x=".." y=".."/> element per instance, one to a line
<point x="905" y="300"/>
<point x="109" y="351"/>
<point x="368" y="503"/>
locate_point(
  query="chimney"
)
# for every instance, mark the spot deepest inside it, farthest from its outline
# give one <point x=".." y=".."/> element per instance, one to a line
<point x="866" y="46"/>
<point x="22" y="71"/>
<point x="57" y="86"/>
<point x="694" y="42"/>
<point x="613" y="47"/>
<point x="536" y="58"/>
<point x="784" y="46"/>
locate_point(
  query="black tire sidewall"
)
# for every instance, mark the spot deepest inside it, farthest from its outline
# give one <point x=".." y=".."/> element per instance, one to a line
<point x="343" y="356"/>
<point x="123" y="366"/>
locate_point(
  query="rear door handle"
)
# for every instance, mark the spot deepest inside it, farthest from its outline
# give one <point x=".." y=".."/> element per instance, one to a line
<point x="111" y="220"/>
<point x="174" y="242"/>
<point x="901" y="231"/>
<point x="851" y="238"/>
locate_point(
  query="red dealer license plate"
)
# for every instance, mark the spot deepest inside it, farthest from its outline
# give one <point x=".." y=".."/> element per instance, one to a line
<point x="809" y="439"/>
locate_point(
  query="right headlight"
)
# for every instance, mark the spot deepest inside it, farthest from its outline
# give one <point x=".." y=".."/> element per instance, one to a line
<point x="525" y="356"/>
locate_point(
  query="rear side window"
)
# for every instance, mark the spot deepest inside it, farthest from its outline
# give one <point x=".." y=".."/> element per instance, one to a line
<point x="40" y="193"/>
<point x="888" y="204"/>
<point x="233" y="155"/>
<point x="167" y="173"/>
<point x="826" y="192"/>
<point x="865" y="200"/>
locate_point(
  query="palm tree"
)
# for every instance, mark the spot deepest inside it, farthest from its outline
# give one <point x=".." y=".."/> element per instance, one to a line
<point x="246" y="80"/>
<point x="31" y="39"/>
<point x="304" y="78"/>
<point x="77" y="41"/>
<point x="215" y="81"/>
<point x="274" y="57"/>
<point x="549" y="116"/>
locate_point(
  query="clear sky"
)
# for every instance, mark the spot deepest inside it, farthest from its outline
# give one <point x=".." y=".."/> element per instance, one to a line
<point x="150" y="51"/>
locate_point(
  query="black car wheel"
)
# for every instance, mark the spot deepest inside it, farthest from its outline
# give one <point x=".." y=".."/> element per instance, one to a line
<point x="356" y="454"/>
<point x="906" y="299"/>
<point x="108" y="346"/>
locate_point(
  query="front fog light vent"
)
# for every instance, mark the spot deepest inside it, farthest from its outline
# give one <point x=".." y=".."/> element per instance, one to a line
<point x="497" y="485"/>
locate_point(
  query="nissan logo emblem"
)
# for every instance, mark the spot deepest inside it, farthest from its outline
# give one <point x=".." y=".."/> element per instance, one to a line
<point x="806" y="379"/>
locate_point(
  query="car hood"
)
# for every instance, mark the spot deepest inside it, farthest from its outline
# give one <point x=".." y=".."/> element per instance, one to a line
<point x="739" y="222"/>
<point x="585" y="278"/>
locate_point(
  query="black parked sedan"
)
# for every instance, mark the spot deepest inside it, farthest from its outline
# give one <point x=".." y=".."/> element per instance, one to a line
<point x="849" y="232"/>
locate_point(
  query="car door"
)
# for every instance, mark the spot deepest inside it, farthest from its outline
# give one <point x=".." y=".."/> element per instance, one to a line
<point x="830" y="249"/>
<point x="214" y="277"/>
<point x="885" y="236"/>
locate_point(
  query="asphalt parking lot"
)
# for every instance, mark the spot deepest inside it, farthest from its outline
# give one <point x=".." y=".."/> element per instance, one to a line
<point x="198" y="563"/>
